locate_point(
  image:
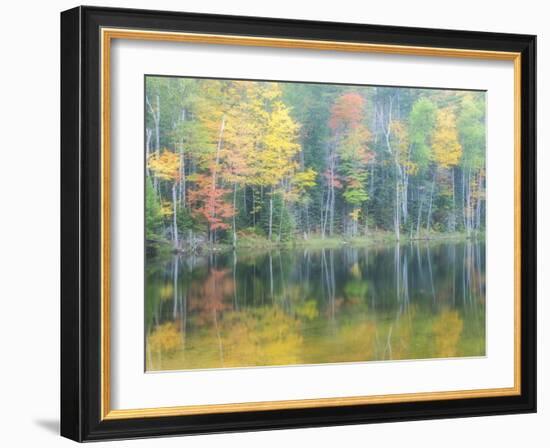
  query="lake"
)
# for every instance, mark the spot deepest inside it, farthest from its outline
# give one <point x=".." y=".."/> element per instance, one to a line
<point x="419" y="300"/>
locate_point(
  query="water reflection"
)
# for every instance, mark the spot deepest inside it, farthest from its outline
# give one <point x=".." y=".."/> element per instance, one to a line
<point x="303" y="305"/>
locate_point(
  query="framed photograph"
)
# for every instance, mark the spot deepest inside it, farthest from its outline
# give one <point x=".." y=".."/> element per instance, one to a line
<point x="273" y="223"/>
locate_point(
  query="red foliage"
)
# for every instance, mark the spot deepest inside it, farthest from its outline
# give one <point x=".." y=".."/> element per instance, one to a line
<point x="210" y="296"/>
<point x="208" y="202"/>
<point x="347" y="111"/>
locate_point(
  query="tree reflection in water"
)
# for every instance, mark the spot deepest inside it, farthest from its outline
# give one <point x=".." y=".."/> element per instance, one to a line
<point x="311" y="306"/>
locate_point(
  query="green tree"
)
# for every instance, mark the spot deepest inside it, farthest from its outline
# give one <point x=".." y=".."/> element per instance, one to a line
<point x="471" y="124"/>
<point x="153" y="215"/>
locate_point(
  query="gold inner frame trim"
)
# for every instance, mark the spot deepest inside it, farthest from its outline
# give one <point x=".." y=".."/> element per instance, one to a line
<point x="107" y="35"/>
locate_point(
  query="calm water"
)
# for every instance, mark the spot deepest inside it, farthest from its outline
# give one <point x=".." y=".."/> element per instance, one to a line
<point x="310" y="306"/>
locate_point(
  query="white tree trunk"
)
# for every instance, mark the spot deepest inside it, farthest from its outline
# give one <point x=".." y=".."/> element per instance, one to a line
<point x="270" y="214"/>
<point x="234" y="213"/>
<point x="429" y="224"/>
<point x="175" y="216"/>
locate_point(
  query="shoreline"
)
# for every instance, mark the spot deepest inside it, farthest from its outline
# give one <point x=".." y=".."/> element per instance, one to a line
<point x="257" y="243"/>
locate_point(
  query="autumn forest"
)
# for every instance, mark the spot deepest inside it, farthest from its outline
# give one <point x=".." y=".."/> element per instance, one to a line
<point x="244" y="163"/>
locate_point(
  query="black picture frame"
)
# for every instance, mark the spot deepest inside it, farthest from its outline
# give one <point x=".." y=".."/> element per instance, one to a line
<point x="81" y="224"/>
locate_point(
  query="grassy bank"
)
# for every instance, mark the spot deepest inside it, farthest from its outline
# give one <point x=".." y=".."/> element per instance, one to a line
<point x="258" y="242"/>
<point x="373" y="238"/>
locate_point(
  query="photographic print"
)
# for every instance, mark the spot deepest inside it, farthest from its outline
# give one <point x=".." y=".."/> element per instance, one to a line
<point x="291" y="223"/>
<point x="275" y="224"/>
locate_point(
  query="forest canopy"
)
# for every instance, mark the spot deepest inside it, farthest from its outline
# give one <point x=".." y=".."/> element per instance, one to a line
<point x="230" y="161"/>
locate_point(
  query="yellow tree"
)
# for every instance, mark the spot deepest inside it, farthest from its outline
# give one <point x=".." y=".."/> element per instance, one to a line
<point x="300" y="182"/>
<point x="447" y="152"/>
<point x="240" y="141"/>
<point x="445" y="145"/>
<point x="274" y="159"/>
